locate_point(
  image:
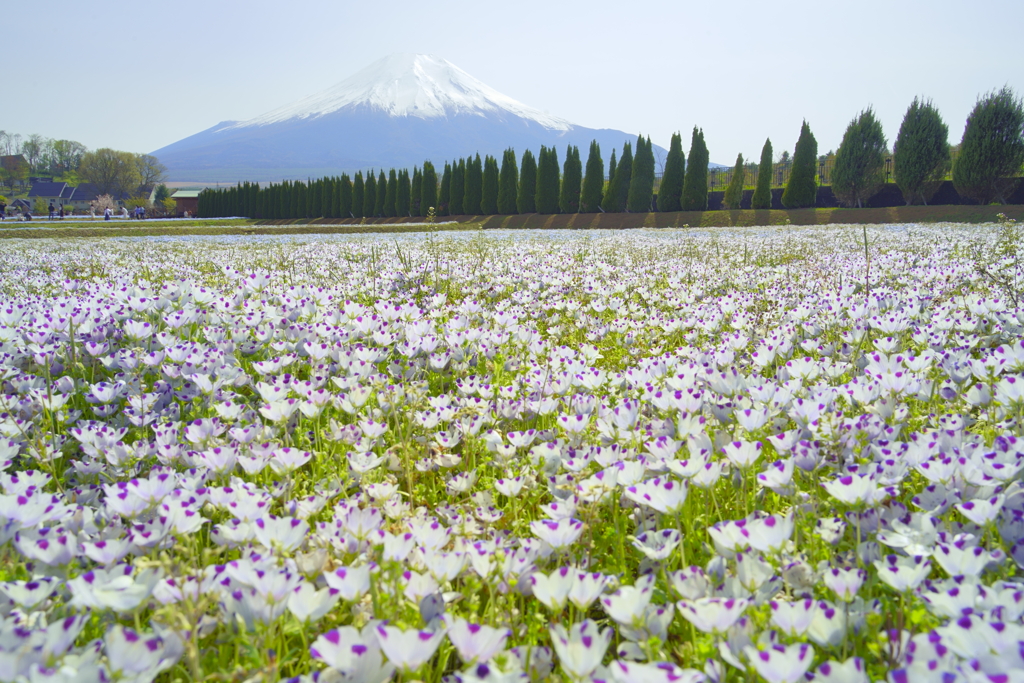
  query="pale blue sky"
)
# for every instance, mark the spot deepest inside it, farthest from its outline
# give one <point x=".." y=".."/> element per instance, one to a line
<point x="140" y="75"/>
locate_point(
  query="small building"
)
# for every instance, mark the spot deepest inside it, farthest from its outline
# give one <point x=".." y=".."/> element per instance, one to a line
<point x="57" y="193"/>
<point x="87" y="193"/>
<point x="186" y="200"/>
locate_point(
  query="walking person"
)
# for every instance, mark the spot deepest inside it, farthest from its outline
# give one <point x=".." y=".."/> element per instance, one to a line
<point x="107" y="213"/>
<point x="62" y="212"/>
<point x="53" y="211"/>
<point x="3" y="209"/>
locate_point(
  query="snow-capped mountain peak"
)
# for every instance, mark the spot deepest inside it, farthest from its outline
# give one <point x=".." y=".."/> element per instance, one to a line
<point x="410" y="85"/>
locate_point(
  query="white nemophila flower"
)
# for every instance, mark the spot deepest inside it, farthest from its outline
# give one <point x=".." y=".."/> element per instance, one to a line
<point x="106" y="551"/>
<point x="418" y="586"/>
<point x="408" y="650"/>
<point x="712" y="615"/>
<point x="770" y="533"/>
<point x="903" y="573"/>
<point x="793" y="618"/>
<point x="396" y="547"/>
<point x="286" y="533"/>
<point x="586" y="587"/>
<point x="581" y="648"/>
<point x="510" y="486"/>
<point x="960" y="558"/>
<point x="831" y="529"/>
<point x="855" y="489"/>
<point x="692" y="583"/>
<point x="287" y="460"/>
<point x="708" y="475"/>
<point x="657" y="545"/>
<point x="828" y="628"/>
<point x="553" y="589"/>
<point x="781" y="663"/>
<point x="656" y="672"/>
<point x="752" y="571"/>
<point x="778" y="475"/>
<point x="730" y="537"/>
<point x="309" y="604"/>
<point x="850" y="671"/>
<point x="115" y="588"/>
<point x="444" y="566"/>
<point x="844" y="582"/>
<point x="350" y="582"/>
<point x="557" y="534"/>
<point x="28" y="594"/>
<point x="662" y="494"/>
<point x="140" y="656"/>
<point x="475" y="643"/>
<point x="53" y="546"/>
<point x="742" y="454"/>
<point x="355" y="655"/>
<point x="627" y="605"/>
<point x="981" y="512"/>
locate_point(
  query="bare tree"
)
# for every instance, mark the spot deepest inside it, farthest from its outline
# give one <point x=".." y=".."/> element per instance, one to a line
<point x="33" y="149"/>
<point x="151" y="172"/>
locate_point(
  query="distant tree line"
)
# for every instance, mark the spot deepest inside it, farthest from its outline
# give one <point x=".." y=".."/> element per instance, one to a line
<point x="990" y="157"/>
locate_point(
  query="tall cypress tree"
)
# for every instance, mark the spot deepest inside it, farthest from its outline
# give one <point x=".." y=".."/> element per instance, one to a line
<point x="416" y="194"/>
<point x="382" y="190"/>
<point x="618" y="186"/>
<point x="313" y="199"/>
<point x="921" y="158"/>
<point x="370" y="195"/>
<point x="507" y="182"/>
<point x="671" y="190"/>
<point x="593" y="182"/>
<point x="641" y="184"/>
<point x="474" y="186"/>
<point x="391" y="194"/>
<point x="444" y="197"/>
<point x="458" y="194"/>
<point x="762" y="198"/>
<point x="489" y="193"/>
<point x="402" y="194"/>
<point x="328" y="197"/>
<point x="802" y="189"/>
<point x="572" y="179"/>
<point x="734" y="193"/>
<point x="612" y="167"/>
<point x="859" y="169"/>
<point x="344" y="200"/>
<point x="358" y="192"/>
<point x="547" y="181"/>
<point x="992" y="148"/>
<point x="695" y="181"/>
<point x="527" y="196"/>
<point x="428" y="195"/>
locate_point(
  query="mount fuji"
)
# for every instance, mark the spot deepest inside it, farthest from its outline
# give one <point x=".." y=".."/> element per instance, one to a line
<point x="397" y="112"/>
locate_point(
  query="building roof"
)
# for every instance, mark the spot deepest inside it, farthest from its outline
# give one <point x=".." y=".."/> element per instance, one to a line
<point x="87" y="192"/>
<point x="186" y="194"/>
<point x="58" y="190"/>
<point x="11" y="161"/>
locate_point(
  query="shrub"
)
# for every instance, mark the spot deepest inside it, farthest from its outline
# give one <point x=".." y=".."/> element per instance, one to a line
<point x="671" y="188"/>
<point x="802" y="189"/>
<point x="921" y="153"/>
<point x="992" y="148"/>
<point x="859" y="169"/>
<point x="734" y="193"/>
<point x="762" y="198"/>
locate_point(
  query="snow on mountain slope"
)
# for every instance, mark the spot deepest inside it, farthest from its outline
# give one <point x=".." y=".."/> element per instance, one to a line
<point x="422" y="86"/>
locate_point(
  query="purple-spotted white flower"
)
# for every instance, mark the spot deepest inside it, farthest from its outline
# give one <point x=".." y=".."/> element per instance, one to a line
<point x="793" y="618"/>
<point x="475" y="643"/>
<point x="558" y="535"/>
<point x="903" y="573"/>
<point x="355" y="655"/>
<point x="140" y="656"/>
<point x="713" y="615"/>
<point x="855" y="489"/>
<point x="309" y="604"/>
<point x="742" y="454"/>
<point x="580" y="648"/>
<point x="981" y="512"/>
<point x="657" y="545"/>
<point x="662" y="494"/>
<point x="657" y="672"/>
<point x="770" y="533"/>
<point x="408" y="650"/>
<point x="850" y="671"/>
<point x="553" y="589"/>
<point x="115" y="588"/>
<point x="627" y="605"/>
<point x="350" y="582"/>
<point x="844" y="581"/>
<point x="781" y="663"/>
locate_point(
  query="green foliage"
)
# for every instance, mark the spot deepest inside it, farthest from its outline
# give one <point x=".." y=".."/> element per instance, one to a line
<point x="671" y="190"/>
<point x="458" y="196"/>
<point x="618" y="186"/>
<point x="161" y="193"/>
<point x="444" y="197"/>
<point x="695" y="182"/>
<point x="382" y="190"/>
<point x="992" y="148"/>
<point x="358" y="192"/>
<point x="921" y="154"/>
<point x="802" y="189"/>
<point x="508" y="183"/>
<point x="489" y="193"/>
<point x="762" y="197"/>
<point x="547" y="181"/>
<point x="859" y="169"/>
<point x="428" y="196"/>
<point x="734" y="193"/>
<point x="344" y="198"/>
<point x="572" y="178"/>
<point x="593" y="182"/>
<point x="370" y="195"/>
<point x="641" y="184"/>
<point x="526" y="200"/>
<point x="474" y="185"/>
<point x="403" y="196"/>
<point x="416" y="193"/>
<point x="612" y="167"/>
<point x="391" y="195"/>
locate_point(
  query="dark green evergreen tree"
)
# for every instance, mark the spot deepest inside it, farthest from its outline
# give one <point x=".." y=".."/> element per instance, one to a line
<point x="416" y="194"/>
<point x="474" y="186"/>
<point x="802" y="189"/>
<point x="572" y="180"/>
<point x="859" y="169"/>
<point x="593" y="182"/>
<point x="611" y="167"/>
<point x="992" y="148"/>
<point x="641" y="183"/>
<point x="370" y="195"/>
<point x="330" y="187"/>
<point x="489" y="193"/>
<point x="547" y="181"/>
<point x="671" y="190"/>
<point x="762" y="197"/>
<point x="343" y="208"/>
<point x="391" y="195"/>
<point x="403" y="194"/>
<point x="444" y="196"/>
<point x="734" y="193"/>
<point x="618" y="186"/>
<point x="526" y="199"/>
<point x="695" y="181"/>
<point x="428" y="196"/>
<point x="313" y="199"/>
<point x="458" y="197"/>
<point x="382" y="189"/>
<point x="921" y="158"/>
<point x="507" y="183"/>
<point x="358" y="192"/>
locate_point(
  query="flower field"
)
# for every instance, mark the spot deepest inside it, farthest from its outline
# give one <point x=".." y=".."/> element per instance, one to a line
<point x="728" y="455"/>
